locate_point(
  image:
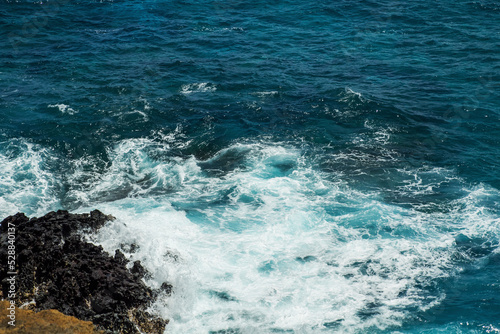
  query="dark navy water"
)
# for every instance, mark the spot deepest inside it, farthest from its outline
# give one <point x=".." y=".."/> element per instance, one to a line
<point x="290" y="167"/>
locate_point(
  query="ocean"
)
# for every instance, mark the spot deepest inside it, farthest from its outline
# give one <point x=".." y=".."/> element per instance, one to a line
<point x="288" y="166"/>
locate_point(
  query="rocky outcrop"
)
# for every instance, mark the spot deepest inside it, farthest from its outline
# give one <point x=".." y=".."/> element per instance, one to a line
<point x="58" y="270"/>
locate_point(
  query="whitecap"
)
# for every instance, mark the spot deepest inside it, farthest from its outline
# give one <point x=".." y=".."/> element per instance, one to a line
<point x="273" y="244"/>
<point x="63" y="108"/>
<point x="266" y="93"/>
<point x="201" y="87"/>
<point x="26" y="182"/>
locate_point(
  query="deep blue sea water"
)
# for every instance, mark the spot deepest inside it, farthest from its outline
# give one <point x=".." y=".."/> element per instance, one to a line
<point x="288" y="166"/>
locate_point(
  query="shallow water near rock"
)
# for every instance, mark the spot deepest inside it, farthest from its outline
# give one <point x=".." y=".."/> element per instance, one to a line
<point x="289" y="167"/>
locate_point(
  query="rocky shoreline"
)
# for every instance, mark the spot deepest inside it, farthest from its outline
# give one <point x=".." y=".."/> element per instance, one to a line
<point x="58" y="270"/>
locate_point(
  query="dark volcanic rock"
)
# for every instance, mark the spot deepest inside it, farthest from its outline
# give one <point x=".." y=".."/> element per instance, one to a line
<point x="59" y="271"/>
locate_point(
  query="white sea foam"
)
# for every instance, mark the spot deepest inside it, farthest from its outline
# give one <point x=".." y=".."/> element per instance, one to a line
<point x="266" y="93"/>
<point x="26" y="183"/>
<point x="198" y="88"/>
<point x="424" y="181"/>
<point x="141" y="113"/>
<point x="273" y="245"/>
<point x="349" y="93"/>
<point x="257" y="239"/>
<point x="63" y="108"/>
<point x="351" y="97"/>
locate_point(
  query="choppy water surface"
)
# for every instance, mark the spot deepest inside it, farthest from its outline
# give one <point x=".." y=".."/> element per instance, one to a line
<point x="289" y="167"/>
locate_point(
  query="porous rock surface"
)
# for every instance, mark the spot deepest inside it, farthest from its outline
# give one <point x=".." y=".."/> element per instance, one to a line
<point x="58" y="270"/>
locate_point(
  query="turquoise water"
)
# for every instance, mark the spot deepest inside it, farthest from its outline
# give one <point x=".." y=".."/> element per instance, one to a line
<point x="289" y="167"/>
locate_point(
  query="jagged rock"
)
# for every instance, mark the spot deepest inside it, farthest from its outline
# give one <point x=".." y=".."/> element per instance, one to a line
<point x="167" y="288"/>
<point x="138" y="269"/>
<point x="58" y="270"/>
